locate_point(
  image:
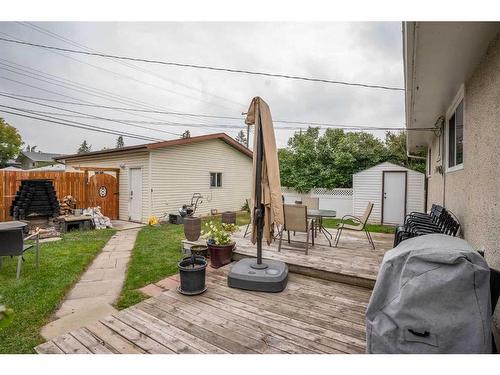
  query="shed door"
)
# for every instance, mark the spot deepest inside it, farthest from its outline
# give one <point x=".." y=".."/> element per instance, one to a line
<point x="135" y="194"/>
<point x="394" y="197"/>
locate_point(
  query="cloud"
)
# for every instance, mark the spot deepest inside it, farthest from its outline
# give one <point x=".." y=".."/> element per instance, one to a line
<point x="359" y="52"/>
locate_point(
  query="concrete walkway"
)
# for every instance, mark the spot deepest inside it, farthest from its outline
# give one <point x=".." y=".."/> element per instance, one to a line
<point x="99" y="287"/>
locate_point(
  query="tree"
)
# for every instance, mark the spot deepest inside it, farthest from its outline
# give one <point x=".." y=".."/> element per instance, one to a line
<point x="84" y="147"/>
<point x="328" y="161"/>
<point x="119" y="142"/>
<point x="186" y="134"/>
<point x="241" y="137"/>
<point x="10" y="142"/>
<point x="396" y="152"/>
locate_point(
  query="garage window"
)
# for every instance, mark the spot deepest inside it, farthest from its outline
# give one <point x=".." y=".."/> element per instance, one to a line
<point x="215" y="179"/>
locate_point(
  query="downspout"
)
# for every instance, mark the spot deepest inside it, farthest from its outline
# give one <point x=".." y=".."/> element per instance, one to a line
<point x="150" y="186"/>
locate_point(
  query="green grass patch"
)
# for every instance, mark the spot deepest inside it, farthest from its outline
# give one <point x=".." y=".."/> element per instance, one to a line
<point x="37" y="294"/>
<point x="375" y="228"/>
<point x="154" y="257"/>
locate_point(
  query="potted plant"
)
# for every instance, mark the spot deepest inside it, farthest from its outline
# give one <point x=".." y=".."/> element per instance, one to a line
<point x="192" y="275"/>
<point x="219" y="241"/>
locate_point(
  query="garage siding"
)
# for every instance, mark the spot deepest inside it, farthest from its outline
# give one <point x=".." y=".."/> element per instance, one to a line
<point x="367" y="187"/>
<point x="129" y="160"/>
<point x="180" y="171"/>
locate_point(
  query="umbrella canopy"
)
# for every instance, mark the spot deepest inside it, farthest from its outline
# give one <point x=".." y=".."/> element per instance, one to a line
<point x="270" y="184"/>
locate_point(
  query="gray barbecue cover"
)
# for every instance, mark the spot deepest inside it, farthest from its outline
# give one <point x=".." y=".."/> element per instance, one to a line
<point x="432" y="295"/>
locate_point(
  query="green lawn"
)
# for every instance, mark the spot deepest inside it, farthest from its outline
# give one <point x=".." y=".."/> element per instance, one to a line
<point x="38" y="293"/>
<point x="375" y="228"/>
<point x="155" y="256"/>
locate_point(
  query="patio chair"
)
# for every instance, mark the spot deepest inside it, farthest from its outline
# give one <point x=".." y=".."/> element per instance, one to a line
<point x="360" y="225"/>
<point x="295" y="220"/>
<point x="441" y="221"/>
<point x="12" y="243"/>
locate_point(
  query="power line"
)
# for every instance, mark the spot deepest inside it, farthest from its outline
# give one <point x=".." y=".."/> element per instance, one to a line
<point x="117" y="98"/>
<point x="75" y="124"/>
<point x="206" y="67"/>
<point x="131" y="66"/>
<point x="75" y="86"/>
<point x="307" y="123"/>
<point x="92" y="116"/>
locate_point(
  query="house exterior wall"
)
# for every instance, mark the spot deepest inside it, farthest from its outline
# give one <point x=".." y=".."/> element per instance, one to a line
<point x="180" y="171"/>
<point x="473" y="193"/>
<point x="130" y="160"/>
<point x="367" y="187"/>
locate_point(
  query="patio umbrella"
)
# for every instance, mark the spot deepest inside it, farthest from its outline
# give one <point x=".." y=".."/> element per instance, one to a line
<point x="267" y="207"/>
<point x="266" y="186"/>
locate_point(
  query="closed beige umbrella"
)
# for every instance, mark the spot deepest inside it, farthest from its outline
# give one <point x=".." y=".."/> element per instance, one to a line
<point x="270" y="185"/>
<point x="266" y="208"/>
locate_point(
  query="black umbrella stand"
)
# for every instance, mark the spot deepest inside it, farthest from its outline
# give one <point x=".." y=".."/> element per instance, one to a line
<point x="271" y="276"/>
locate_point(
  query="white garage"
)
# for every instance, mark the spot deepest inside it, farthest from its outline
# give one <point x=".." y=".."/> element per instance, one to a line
<point x="394" y="190"/>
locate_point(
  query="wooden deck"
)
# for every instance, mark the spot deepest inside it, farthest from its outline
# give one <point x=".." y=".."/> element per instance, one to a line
<point x="353" y="261"/>
<point x="311" y="316"/>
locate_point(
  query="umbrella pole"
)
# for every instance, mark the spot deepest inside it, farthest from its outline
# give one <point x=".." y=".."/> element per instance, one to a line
<point x="259" y="211"/>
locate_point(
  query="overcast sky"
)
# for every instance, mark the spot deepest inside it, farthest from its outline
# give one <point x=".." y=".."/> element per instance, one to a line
<point x="357" y="52"/>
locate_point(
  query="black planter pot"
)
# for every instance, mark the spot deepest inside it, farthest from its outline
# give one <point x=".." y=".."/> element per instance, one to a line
<point x="192" y="272"/>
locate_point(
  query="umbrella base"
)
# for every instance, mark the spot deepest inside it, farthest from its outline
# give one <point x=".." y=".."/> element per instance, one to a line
<point x="244" y="275"/>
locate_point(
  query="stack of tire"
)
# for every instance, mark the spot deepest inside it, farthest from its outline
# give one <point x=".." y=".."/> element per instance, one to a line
<point x="35" y="198"/>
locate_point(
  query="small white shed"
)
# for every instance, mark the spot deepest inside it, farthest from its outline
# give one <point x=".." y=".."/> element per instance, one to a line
<point x="394" y="190"/>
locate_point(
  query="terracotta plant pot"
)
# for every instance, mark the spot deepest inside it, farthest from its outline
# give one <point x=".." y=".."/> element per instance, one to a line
<point x="192" y="228"/>
<point x="220" y="255"/>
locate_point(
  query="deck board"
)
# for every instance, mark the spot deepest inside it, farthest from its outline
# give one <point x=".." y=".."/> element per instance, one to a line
<point x="310" y="316"/>
<point x="352" y="262"/>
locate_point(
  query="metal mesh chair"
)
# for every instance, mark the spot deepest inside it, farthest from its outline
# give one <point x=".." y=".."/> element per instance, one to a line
<point x="295" y="220"/>
<point x="360" y="225"/>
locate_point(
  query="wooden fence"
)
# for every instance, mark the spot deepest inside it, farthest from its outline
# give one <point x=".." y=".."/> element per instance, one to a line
<point x="65" y="183"/>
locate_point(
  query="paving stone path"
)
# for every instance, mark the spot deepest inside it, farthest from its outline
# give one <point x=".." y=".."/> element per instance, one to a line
<point x="99" y="287"/>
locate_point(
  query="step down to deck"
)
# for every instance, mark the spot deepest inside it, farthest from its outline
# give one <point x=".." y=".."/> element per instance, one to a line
<point x="313" y="271"/>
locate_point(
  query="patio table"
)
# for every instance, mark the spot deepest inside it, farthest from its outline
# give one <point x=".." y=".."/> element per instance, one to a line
<point x="319" y="215"/>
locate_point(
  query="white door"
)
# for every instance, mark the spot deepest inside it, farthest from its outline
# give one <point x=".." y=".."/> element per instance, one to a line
<point x="394" y="196"/>
<point x="135" y="194"/>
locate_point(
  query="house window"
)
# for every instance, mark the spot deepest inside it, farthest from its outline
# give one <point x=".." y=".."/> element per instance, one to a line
<point x="455" y="135"/>
<point x="429" y="162"/>
<point x="215" y="179"/>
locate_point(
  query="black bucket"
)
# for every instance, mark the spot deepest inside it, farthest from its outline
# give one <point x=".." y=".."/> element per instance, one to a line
<point x="192" y="278"/>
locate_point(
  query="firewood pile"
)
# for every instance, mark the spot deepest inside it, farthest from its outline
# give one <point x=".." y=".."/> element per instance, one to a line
<point x="67" y="205"/>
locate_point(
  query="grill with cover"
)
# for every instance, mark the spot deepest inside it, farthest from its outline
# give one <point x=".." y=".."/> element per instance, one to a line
<point x="432" y="295"/>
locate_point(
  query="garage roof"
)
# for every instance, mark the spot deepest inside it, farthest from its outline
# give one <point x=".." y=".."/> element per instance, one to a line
<point x="174" y="142"/>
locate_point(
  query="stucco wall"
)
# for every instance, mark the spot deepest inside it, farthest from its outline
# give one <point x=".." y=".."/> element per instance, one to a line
<point x="473" y="193"/>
